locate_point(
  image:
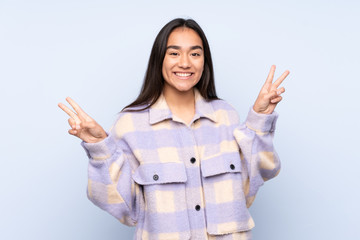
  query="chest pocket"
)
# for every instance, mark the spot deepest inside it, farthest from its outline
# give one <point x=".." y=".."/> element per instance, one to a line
<point x="225" y="203"/>
<point x="166" y="216"/>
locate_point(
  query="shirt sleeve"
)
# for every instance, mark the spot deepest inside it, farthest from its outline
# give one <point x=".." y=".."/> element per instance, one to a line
<point x="110" y="183"/>
<point x="260" y="161"/>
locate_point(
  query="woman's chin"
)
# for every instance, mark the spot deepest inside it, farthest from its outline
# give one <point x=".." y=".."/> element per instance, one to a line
<point x="184" y="89"/>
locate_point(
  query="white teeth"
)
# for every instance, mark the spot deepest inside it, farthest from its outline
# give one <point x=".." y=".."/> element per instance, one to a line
<point x="183" y="74"/>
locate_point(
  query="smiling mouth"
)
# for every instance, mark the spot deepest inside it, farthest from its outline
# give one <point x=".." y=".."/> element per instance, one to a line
<point x="183" y="74"/>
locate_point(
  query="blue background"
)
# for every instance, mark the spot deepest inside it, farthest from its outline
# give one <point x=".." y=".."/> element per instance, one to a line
<point x="97" y="52"/>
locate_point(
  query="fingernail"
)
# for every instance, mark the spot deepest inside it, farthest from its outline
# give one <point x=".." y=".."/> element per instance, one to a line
<point x="278" y="92"/>
<point x="77" y="126"/>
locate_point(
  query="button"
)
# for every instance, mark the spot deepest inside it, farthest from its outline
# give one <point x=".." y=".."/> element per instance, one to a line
<point x="156" y="177"/>
<point x="193" y="160"/>
<point x="232" y="166"/>
<point x="197" y="207"/>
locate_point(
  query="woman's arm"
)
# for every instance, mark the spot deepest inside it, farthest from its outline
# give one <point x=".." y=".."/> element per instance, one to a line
<point x="110" y="185"/>
<point x="259" y="158"/>
<point x="255" y="137"/>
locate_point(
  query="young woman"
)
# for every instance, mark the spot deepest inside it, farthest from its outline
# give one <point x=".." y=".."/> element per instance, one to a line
<point x="177" y="164"/>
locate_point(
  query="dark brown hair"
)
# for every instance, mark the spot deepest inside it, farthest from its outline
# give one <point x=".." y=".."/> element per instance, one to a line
<point x="154" y="82"/>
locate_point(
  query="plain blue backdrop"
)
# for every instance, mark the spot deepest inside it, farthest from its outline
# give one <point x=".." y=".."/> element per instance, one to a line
<point x="97" y="52"/>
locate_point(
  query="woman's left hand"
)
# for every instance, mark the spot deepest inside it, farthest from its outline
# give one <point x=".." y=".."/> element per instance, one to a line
<point x="269" y="95"/>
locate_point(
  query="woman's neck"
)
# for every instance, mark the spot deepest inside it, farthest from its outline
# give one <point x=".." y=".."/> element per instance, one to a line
<point x="181" y="104"/>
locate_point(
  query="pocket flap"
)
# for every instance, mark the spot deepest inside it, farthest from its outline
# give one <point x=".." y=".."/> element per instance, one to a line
<point x="224" y="163"/>
<point x="157" y="173"/>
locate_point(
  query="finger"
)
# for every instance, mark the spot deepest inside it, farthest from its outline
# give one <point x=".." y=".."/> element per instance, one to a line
<point x="72" y="132"/>
<point x="281" y="79"/>
<point x="275" y="93"/>
<point x="280" y="91"/>
<point x="73" y="123"/>
<point x="69" y="112"/>
<point x="276" y="100"/>
<point x="77" y="108"/>
<point x="270" y="77"/>
<point x="271" y="95"/>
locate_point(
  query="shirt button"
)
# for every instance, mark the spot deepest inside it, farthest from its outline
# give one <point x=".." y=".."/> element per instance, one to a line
<point x="197" y="207"/>
<point x="156" y="177"/>
<point x="232" y="166"/>
<point x="192" y="160"/>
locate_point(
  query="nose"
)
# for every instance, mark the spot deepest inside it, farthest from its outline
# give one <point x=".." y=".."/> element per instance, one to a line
<point x="184" y="61"/>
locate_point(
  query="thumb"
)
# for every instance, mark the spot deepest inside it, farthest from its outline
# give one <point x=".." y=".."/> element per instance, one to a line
<point x="88" y="125"/>
<point x="272" y="94"/>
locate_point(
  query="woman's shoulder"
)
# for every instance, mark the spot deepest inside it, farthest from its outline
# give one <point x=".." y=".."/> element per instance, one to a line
<point x="225" y="111"/>
<point x="221" y="104"/>
<point x="135" y="112"/>
<point x="130" y="120"/>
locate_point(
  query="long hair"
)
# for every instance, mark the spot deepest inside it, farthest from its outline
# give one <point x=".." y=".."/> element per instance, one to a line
<point x="154" y="82"/>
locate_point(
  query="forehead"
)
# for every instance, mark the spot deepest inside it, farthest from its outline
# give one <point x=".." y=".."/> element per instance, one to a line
<point x="184" y="37"/>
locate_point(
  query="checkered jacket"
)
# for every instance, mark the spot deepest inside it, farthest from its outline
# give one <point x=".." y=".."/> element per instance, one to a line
<point x="178" y="181"/>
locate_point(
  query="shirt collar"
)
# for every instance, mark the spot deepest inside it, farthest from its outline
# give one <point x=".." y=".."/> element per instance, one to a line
<point x="160" y="111"/>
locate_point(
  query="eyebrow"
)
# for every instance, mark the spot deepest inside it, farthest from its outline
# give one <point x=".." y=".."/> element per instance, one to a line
<point x="178" y="47"/>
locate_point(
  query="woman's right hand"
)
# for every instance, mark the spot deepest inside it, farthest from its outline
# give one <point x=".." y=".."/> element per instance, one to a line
<point x="82" y="125"/>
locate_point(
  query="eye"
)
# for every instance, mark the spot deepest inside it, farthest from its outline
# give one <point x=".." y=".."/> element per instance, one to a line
<point x="195" y="54"/>
<point x="173" y="54"/>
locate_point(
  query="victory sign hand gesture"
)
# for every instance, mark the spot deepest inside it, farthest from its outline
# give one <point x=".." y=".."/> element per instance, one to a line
<point x="269" y="95"/>
<point x="82" y="125"/>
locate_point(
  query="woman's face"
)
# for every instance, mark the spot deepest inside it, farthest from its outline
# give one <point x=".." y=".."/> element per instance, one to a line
<point x="184" y="60"/>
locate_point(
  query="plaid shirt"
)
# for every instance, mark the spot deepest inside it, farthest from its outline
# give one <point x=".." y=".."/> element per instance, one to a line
<point x="178" y="181"/>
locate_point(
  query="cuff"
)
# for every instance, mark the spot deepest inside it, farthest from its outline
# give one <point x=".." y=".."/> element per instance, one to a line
<point x="261" y="122"/>
<point x="100" y="150"/>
